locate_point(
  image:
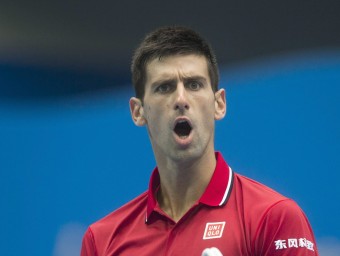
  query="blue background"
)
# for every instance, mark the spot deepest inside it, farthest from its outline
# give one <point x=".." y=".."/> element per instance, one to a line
<point x="66" y="162"/>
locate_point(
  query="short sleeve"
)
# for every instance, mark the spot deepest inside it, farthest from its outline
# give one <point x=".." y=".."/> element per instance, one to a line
<point x="284" y="230"/>
<point x="88" y="247"/>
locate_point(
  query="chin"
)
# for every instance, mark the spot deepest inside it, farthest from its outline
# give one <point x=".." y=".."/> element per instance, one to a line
<point x="187" y="154"/>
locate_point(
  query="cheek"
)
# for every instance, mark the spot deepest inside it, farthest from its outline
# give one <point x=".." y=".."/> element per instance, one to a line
<point x="154" y="120"/>
<point x="208" y="116"/>
<point x="208" y="109"/>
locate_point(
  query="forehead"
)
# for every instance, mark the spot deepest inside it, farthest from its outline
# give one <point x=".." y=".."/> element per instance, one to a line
<point x="176" y="67"/>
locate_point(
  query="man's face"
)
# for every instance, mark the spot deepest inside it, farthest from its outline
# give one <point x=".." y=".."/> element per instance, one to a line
<point x="179" y="107"/>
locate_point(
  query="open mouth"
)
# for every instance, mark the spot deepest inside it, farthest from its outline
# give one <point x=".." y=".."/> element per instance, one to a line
<point x="182" y="128"/>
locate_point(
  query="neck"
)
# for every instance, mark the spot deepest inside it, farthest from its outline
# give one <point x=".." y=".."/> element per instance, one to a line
<point x="182" y="184"/>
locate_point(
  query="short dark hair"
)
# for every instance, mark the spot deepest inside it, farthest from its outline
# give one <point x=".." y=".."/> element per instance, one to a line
<point x="168" y="41"/>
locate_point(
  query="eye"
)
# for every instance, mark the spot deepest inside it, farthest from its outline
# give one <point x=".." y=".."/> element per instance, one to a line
<point x="194" y="85"/>
<point x="166" y="87"/>
<point x="163" y="88"/>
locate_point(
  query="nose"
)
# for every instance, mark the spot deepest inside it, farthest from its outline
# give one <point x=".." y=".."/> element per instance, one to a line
<point x="181" y="101"/>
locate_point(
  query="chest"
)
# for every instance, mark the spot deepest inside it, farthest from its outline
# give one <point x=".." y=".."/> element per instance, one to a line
<point x="210" y="227"/>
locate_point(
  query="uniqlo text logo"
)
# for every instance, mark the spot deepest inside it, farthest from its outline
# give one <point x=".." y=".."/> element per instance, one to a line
<point x="213" y="230"/>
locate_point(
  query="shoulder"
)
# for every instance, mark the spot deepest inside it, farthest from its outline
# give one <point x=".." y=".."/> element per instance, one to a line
<point x="255" y="194"/>
<point x="285" y="230"/>
<point x="273" y="218"/>
<point x="99" y="234"/>
<point x="261" y="203"/>
<point x="134" y="207"/>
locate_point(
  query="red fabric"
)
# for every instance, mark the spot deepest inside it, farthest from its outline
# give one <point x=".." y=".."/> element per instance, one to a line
<point x="252" y="220"/>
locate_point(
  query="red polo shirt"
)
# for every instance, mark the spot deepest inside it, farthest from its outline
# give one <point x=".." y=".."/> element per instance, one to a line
<point x="235" y="214"/>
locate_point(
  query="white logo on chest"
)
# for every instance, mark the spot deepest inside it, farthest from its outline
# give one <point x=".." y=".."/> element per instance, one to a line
<point x="213" y="230"/>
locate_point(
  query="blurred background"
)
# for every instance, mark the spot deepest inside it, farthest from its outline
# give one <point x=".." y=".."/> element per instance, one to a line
<point x="70" y="154"/>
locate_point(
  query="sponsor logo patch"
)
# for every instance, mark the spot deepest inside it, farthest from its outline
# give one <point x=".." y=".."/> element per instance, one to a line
<point x="294" y="243"/>
<point x="213" y="230"/>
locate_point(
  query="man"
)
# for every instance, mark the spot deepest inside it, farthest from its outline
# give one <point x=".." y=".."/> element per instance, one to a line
<point x="196" y="204"/>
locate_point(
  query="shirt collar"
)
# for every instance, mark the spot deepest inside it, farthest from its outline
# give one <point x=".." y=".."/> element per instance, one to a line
<point x="216" y="193"/>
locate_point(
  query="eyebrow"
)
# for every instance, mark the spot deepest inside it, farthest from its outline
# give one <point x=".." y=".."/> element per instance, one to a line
<point x="195" y="78"/>
<point x="163" y="81"/>
<point x="174" y="80"/>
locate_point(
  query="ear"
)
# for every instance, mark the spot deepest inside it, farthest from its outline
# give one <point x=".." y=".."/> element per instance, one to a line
<point x="220" y="104"/>
<point x="137" y="111"/>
